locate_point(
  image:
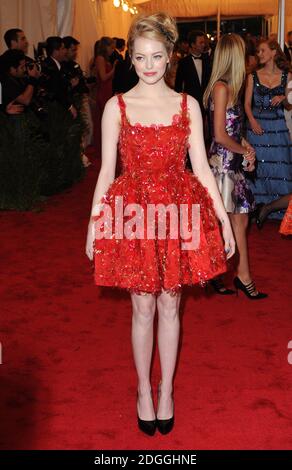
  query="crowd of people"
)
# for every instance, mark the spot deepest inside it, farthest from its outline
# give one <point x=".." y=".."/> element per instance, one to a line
<point x="54" y="76"/>
<point x="44" y="111"/>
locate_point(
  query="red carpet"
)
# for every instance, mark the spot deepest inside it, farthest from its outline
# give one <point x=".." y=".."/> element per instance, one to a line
<point x="68" y="380"/>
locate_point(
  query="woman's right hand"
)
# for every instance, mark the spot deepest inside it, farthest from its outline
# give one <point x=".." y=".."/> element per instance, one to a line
<point x="90" y="240"/>
<point x="229" y="242"/>
<point x="256" y="128"/>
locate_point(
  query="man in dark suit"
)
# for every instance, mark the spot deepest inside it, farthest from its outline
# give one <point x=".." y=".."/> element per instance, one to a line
<point x="194" y="70"/>
<point x="52" y="69"/>
<point x="71" y="68"/>
<point x="288" y="47"/>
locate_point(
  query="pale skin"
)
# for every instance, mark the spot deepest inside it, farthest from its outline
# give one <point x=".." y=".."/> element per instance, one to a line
<point x="269" y="76"/>
<point x="222" y="100"/>
<point x="151" y="101"/>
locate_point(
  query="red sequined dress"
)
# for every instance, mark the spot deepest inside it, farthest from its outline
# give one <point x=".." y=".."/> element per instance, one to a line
<point x="153" y="172"/>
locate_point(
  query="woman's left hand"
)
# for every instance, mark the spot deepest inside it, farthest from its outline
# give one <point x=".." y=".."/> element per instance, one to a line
<point x="251" y="158"/>
<point x="250" y="155"/>
<point x="277" y="100"/>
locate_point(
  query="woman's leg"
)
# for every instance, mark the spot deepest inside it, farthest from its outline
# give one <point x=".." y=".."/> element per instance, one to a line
<point x="168" y="339"/>
<point x="142" y="342"/>
<point x="277" y="205"/>
<point x="239" y="224"/>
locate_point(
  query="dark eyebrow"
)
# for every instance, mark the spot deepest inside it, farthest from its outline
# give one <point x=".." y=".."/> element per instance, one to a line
<point x="139" y="53"/>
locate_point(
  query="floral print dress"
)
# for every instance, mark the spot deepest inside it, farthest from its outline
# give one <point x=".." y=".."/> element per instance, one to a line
<point x="227" y="166"/>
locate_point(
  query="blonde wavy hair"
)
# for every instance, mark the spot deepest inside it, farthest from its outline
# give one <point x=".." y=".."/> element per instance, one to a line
<point x="159" y="26"/>
<point x="229" y="65"/>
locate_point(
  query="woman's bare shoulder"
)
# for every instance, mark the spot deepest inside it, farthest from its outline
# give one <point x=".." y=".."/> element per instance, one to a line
<point x="220" y="90"/>
<point x="193" y="104"/>
<point x="220" y="86"/>
<point x="112" y="106"/>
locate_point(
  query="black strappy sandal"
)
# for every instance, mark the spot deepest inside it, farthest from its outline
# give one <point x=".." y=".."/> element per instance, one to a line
<point x="248" y="289"/>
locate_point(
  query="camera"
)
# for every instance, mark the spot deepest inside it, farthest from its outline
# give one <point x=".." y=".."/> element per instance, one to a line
<point x="34" y="63"/>
<point x="73" y="70"/>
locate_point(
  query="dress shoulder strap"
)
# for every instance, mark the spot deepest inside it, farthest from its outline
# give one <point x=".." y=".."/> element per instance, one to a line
<point x="184" y="105"/>
<point x="122" y="106"/>
<point x="255" y="77"/>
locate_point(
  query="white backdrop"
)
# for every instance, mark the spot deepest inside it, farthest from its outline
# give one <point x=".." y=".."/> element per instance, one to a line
<point x="65" y="15"/>
<point x="38" y="18"/>
<point x="87" y="20"/>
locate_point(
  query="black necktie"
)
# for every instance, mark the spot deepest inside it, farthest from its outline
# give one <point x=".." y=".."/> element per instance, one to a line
<point x="197" y="57"/>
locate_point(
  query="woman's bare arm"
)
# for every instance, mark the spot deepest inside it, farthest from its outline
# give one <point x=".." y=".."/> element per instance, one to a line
<point x="110" y="129"/>
<point x="220" y="98"/>
<point x="248" y="97"/>
<point x="256" y="128"/>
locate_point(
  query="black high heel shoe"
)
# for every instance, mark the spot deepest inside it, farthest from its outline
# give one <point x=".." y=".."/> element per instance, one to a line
<point x="248" y="289"/>
<point x="148" y="427"/>
<point x="164" y="426"/>
<point x="219" y="287"/>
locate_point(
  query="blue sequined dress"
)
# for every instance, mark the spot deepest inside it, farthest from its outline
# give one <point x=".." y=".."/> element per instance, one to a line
<point x="273" y="147"/>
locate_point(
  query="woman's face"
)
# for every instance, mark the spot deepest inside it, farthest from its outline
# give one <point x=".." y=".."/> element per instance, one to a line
<point x="265" y="54"/>
<point x="150" y="59"/>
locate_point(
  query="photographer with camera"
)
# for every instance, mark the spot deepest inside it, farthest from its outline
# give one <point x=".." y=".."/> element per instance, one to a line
<point x="16" y="87"/>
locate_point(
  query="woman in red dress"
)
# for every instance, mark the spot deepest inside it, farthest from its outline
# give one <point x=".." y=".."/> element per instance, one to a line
<point x="153" y="126"/>
<point x="104" y="74"/>
<point x="286" y="224"/>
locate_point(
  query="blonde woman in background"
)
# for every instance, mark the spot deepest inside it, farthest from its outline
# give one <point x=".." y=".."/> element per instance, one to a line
<point x="230" y="156"/>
